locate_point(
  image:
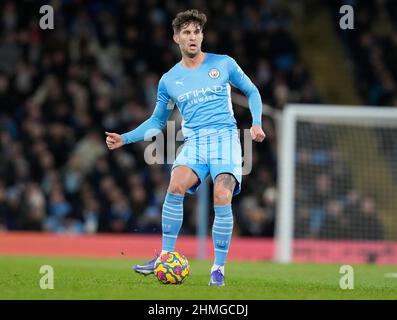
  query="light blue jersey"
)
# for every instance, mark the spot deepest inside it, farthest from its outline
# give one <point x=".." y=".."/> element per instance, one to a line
<point x="203" y="97"/>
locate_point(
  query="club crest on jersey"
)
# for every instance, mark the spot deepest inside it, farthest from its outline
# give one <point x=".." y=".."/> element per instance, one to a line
<point x="213" y="73"/>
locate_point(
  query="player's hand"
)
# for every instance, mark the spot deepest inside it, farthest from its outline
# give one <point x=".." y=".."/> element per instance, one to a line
<point x="257" y="133"/>
<point x="113" y="140"/>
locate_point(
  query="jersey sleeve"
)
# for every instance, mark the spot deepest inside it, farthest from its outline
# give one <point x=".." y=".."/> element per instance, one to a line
<point x="158" y="119"/>
<point x="240" y="80"/>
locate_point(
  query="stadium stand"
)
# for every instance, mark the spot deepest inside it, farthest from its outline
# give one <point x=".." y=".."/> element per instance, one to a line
<point x="97" y="71"/>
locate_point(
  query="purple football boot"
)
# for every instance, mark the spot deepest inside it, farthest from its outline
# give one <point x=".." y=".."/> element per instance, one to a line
<point x="217" y="278"/>
<point x="146" y="268"/>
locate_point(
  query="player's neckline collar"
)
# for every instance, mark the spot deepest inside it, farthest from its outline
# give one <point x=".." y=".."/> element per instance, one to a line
<point x="196" y="68"/>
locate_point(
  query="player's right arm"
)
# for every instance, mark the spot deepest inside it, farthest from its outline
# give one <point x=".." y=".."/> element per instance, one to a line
<point x="150" y="127"/>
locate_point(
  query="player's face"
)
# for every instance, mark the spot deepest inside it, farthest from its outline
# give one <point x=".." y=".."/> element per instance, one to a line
<point x="189" y="39"/>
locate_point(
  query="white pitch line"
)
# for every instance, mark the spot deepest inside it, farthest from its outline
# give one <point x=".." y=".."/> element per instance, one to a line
<point x="390" y="275"/>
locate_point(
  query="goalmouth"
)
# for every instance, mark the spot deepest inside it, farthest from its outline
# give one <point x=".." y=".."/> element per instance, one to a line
<point x="337" y="182"/>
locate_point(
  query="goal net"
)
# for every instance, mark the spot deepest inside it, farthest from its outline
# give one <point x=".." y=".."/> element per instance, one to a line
<point x="337" y="185"/>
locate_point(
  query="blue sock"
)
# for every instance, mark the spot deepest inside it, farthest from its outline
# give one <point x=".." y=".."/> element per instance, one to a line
<point x="222" y="232"/>
<point x="172" y="218"/>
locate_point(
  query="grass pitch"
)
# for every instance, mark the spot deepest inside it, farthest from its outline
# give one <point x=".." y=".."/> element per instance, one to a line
<point x="87" y="278"/>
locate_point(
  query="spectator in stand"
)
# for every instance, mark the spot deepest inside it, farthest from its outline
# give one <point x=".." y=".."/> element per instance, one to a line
<point x="367" y="226"/>
<point x="335" y="224"/>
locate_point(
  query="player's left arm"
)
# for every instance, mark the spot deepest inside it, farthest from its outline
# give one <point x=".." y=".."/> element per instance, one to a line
<point x="239" y="79"/>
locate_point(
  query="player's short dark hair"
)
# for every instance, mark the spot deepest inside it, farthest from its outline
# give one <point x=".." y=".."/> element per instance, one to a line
<point x="188" y="16"/>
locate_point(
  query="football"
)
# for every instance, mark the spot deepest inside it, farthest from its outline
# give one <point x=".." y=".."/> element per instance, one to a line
<point x="171" y="268"/>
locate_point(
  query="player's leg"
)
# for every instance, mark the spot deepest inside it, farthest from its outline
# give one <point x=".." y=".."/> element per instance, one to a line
<point x="224" y="187"/>
<point x="188" y="171"/>
<point x="182" y="178"/>
<point x="226" y="172"/>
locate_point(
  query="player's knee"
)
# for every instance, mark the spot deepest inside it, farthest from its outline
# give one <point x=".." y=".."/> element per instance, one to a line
<point x="177" y="188"/>
<point x="222" y="196"/>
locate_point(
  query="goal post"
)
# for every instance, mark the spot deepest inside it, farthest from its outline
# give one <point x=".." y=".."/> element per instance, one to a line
<point x="337" y="182"/>
<point x="286" y="130"/>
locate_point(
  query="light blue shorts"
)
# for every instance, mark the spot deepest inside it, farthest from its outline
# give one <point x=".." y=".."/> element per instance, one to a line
<point x="213" y="154"/>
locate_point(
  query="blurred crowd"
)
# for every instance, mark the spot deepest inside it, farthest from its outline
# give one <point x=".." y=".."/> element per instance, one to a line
<point x="328" y="205"/>
<point x="97" y="71"/>
<point x="372" y="47"/>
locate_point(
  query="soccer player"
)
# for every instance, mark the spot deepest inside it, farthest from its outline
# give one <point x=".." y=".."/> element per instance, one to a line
<point x="200" y="87"/>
